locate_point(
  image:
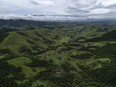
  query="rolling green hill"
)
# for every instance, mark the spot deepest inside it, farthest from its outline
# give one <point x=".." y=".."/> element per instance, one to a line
<point x="17" y="25"/>
<point x="79" y="56"/>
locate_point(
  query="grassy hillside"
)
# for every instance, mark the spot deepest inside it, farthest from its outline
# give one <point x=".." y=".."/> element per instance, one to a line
<point x="82" y="56"/>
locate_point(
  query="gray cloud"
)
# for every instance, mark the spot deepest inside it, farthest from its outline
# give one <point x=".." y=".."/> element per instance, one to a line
<point x="82" y="8"/>
<point x="75" y="10"/>
<point x="97" y="6"/>
<point x="111" y="6"/>
<point x="34" y="2"/>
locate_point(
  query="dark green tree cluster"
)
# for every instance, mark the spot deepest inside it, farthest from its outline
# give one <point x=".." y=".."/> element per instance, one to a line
<point x="5" y="71"/>
<point x="105" y="75"/>
<point x="40" y="63"/>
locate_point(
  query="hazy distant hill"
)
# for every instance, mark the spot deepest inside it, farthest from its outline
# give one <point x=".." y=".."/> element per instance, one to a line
<point x="51" y="25"/>
<point x="17" y="25"/>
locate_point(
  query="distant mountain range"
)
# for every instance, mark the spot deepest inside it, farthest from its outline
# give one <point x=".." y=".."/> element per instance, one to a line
<point x="20" y="24"/>
<point x="39" y="23"/>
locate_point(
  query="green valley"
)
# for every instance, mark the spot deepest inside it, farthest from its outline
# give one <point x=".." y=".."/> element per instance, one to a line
<point x="57" y="54"/>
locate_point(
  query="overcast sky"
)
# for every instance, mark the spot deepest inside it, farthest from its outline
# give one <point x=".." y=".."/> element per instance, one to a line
<point x="75" y="9"/>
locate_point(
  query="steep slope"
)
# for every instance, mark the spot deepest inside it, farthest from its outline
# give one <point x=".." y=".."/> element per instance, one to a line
<point x="110" y="36"/>
<point x="21" y="41"/>
<point x="14" y="42"/>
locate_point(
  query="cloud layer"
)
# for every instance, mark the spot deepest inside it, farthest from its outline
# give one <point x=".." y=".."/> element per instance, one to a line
<point x="75" y="9"/>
